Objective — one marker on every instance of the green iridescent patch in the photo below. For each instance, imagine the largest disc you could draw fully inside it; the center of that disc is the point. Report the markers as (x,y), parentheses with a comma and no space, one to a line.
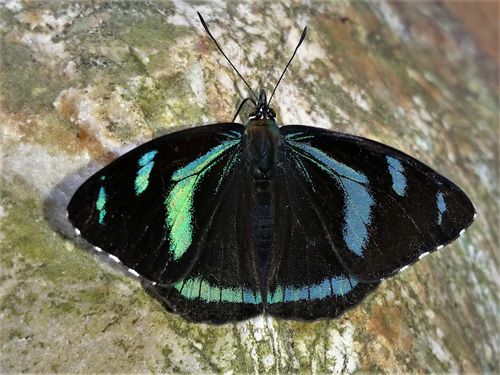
(101,203)
(179,202)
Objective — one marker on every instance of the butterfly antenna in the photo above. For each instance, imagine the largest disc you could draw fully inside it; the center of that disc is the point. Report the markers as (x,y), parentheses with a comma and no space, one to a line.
(223,54)
(241,106)
(304,32)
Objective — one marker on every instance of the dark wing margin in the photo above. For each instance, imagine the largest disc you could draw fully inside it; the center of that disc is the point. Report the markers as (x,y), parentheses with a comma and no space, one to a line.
(383,210)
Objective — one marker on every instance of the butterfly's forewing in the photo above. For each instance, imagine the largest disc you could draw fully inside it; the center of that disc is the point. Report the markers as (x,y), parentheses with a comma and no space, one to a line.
(381,209)
(152,207)
(306,280)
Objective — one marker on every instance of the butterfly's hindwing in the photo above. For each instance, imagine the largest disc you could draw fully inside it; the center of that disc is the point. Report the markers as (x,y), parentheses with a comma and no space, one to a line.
(382,208)
(150,208)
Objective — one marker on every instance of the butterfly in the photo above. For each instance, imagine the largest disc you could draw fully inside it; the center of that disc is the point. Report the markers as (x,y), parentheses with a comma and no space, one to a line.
(228,221)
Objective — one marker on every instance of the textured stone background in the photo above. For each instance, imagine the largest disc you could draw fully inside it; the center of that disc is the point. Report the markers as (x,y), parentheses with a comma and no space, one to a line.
(83,82)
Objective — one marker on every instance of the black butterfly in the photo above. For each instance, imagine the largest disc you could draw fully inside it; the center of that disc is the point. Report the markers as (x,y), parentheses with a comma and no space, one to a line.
(230,221)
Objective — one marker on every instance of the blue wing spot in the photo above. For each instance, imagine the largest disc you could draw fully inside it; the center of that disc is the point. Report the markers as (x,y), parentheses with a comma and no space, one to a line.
(205,291)
(191,288)
(251,297)
(396,170)
(215,294)
(147,158)
(357,215)
(303,293)
(229,295)
(330,163)
(237,295)
(145,164)
(441,205)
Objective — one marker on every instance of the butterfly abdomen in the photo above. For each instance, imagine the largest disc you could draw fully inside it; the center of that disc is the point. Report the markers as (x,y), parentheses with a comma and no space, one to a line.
(263,219)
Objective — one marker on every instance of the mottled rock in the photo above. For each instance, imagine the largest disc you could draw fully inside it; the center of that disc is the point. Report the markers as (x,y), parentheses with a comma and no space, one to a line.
(82,82)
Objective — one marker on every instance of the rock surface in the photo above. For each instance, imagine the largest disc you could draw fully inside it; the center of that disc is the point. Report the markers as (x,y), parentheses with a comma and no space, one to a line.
(83,82)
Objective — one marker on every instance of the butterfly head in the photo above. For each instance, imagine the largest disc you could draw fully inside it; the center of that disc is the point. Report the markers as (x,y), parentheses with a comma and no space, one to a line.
(262,111)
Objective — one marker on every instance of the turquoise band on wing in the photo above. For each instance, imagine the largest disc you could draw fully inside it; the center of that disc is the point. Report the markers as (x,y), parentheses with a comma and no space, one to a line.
(336,286)
(197,288)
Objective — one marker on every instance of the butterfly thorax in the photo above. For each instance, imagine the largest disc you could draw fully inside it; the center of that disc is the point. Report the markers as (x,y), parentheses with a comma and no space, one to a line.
(262,139)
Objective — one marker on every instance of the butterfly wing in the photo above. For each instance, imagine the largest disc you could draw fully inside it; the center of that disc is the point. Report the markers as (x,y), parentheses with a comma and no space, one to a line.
(152,207)
(380,209)
(306,280)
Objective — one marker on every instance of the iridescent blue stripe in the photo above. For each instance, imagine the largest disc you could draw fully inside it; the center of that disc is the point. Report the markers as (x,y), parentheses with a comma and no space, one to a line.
(320,291)
(299,136)
(291,294)
(277,296)
(338,286)
(357,198)
(357,216)
(248,296)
